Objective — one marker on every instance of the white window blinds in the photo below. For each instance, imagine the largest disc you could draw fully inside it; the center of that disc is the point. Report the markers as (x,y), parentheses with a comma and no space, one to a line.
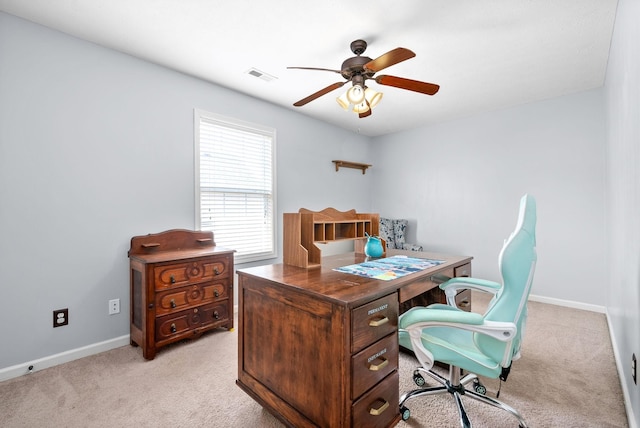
(235,185)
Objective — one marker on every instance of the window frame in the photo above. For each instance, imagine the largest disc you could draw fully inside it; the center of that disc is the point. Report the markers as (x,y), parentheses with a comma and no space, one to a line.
(232,123)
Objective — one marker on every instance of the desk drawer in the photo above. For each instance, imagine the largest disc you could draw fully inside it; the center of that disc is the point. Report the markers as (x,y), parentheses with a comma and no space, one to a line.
(373,364)
(464,270)
(421,286)
(373,321)
(379,407)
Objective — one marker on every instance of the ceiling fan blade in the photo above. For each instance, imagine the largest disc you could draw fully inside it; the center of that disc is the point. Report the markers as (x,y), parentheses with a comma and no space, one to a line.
(412,85)
(315,68)
(390,58)
(318,94)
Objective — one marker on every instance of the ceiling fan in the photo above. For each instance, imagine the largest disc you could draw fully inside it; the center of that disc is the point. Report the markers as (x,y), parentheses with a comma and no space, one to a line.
(358,70)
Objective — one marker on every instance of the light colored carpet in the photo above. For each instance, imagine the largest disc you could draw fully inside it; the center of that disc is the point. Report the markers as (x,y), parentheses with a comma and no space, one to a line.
(566,378)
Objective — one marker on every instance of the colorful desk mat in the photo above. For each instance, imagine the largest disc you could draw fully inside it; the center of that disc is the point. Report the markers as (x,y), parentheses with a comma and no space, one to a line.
(389,268)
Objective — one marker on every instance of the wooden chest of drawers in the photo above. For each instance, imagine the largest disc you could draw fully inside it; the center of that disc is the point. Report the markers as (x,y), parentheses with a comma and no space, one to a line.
(181,286)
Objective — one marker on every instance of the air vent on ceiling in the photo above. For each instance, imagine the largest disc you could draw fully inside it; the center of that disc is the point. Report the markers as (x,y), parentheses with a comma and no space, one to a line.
(261,74)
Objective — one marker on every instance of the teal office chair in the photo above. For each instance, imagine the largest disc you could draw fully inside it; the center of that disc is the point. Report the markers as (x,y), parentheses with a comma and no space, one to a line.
(482,345)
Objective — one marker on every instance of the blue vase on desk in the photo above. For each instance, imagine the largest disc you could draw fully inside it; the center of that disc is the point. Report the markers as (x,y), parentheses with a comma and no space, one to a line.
(373,247)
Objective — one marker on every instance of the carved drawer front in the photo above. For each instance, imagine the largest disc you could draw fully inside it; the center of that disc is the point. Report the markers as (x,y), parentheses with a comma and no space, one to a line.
(174,300)
(192,319)
(378,407)
(192,272)
(373,321)
(373,364)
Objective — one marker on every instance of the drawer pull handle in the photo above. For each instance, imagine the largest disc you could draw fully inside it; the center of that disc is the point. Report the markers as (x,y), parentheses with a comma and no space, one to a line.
(172,279)
(464,303)
(173,328)
(216,271)
(173,303)
(376,367)
(216,293)
(378,322)
(379,410)
(216,315)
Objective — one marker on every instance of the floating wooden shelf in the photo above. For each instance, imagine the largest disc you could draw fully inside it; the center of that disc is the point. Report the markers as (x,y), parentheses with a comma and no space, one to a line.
(347,164)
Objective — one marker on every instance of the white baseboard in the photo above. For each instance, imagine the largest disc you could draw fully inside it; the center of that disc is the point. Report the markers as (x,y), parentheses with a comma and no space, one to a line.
(61,358)
(568,304)
(620,366)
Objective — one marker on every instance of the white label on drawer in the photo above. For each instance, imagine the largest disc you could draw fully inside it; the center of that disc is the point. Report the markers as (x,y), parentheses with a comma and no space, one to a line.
(378,309)
(376,355)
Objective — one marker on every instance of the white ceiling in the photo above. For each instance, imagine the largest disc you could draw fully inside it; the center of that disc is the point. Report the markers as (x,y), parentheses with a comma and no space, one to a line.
(484,54)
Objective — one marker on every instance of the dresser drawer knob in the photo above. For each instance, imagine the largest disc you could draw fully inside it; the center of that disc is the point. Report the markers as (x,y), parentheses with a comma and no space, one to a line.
(150,305)
(216,293)
(172,279)
(173,328)
(173,303)
(216,315)
(216,271)
(379,410)
(378,322)
(376,367)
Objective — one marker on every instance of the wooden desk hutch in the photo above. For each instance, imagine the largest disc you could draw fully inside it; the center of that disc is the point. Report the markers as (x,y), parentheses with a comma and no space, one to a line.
(317,347)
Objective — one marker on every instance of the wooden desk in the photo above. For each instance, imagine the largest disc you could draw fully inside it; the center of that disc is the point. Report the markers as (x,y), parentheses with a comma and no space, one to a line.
(320,348)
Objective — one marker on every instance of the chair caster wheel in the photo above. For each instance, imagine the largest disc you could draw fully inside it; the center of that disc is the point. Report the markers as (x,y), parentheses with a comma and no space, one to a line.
(405,413)
(418,379)
(479,388)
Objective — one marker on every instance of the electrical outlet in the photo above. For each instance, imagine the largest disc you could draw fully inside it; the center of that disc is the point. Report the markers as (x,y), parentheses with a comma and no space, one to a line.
(114,306)
(60,317)
(634,369)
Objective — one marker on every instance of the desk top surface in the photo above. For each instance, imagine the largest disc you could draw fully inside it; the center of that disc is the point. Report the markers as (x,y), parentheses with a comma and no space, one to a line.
(344,288)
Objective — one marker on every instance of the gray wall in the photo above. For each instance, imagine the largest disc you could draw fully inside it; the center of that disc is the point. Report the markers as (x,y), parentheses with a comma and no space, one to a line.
(460,184)
(623,194)
(97,147)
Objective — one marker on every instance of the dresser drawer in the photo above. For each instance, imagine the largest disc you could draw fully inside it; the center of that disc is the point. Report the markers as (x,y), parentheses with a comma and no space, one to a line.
(373,364)
(179,323)
(192,272)
(178,299)
(373,321)
(378,407)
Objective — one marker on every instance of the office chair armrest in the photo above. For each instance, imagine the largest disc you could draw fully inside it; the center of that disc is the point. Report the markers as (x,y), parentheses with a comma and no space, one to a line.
(420,315)
(418,318)
(453,286)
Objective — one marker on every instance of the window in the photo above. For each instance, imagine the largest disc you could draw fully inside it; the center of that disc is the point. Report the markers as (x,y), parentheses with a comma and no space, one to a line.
(235,197)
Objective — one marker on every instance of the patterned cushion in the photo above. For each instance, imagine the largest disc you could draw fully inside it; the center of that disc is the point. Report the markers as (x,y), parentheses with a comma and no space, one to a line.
(399,228)
(394,232)
(386,232)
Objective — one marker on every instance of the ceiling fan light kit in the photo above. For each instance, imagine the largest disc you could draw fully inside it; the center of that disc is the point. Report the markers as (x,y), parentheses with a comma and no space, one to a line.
(360,98)
(371,99)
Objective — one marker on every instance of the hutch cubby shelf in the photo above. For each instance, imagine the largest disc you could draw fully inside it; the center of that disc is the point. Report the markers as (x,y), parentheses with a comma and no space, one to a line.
(348,164)
(302,230)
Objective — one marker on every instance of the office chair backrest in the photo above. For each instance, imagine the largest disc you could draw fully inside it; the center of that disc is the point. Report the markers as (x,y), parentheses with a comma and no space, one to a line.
(517,262)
